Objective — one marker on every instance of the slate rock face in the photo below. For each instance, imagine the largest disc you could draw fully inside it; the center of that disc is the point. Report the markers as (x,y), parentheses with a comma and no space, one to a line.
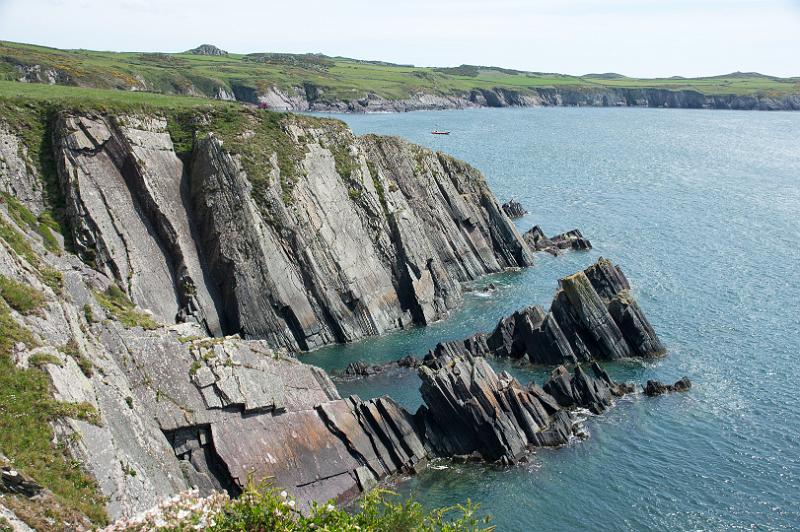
(594,392)
(17,174)
(376,233)
(537,241)
(514,209)
(126,197)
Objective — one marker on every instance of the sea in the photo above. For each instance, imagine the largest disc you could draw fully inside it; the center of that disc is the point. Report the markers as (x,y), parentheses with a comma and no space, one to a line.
(701,209)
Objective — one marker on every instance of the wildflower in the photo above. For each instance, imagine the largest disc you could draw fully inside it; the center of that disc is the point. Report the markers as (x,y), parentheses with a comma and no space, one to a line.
(284,494)
(291,504)
(330,508)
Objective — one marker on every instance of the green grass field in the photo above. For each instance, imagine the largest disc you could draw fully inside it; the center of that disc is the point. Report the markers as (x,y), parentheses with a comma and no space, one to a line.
(338,78)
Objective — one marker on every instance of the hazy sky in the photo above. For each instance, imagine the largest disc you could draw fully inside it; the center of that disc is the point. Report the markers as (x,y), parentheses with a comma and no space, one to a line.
(633,37)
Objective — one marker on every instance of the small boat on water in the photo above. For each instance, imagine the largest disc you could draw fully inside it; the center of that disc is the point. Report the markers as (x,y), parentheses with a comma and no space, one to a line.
(440,132)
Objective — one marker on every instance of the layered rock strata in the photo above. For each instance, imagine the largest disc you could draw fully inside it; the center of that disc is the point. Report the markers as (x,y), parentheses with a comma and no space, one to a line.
(471,410)
(593,316)
(365,236)
(316,98)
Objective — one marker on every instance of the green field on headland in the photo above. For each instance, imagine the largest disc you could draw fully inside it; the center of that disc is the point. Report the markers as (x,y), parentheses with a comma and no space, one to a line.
(338,78)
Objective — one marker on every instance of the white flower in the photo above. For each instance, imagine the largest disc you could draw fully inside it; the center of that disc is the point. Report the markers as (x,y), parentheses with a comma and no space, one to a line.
(291,504)
(330,508)
(284,494)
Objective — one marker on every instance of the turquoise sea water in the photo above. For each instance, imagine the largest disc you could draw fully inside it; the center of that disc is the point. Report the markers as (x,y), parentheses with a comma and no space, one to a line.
(702,211)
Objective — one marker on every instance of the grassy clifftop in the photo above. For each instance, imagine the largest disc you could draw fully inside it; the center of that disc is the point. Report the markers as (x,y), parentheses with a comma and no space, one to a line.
(339,78)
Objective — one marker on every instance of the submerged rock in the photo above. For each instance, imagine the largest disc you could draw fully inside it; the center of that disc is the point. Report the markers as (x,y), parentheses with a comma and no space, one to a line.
(360,368)
(654,387)
(537,241)
(514,209)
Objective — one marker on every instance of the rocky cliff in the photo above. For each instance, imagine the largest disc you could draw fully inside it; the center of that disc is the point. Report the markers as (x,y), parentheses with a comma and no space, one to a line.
(198,246)
(149,348)
(303,99)
(283,228)
(150,409)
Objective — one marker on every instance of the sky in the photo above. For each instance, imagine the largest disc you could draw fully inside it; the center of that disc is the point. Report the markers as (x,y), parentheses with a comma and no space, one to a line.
(643,38)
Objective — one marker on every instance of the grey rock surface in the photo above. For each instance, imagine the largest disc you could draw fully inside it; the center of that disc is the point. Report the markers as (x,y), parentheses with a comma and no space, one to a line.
(471,410)
(514,209)
(126,202)
(351,256)
(207,49)
(18,176)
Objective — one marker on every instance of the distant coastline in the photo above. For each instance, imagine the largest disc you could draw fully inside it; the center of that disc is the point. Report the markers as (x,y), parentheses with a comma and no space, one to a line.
(314,82)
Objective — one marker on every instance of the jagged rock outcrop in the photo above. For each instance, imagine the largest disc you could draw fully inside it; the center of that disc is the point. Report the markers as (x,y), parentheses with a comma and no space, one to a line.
(471,410)
(593,317)
(351,256)
(537,241)
(594,392)
(654,387)
(514,209)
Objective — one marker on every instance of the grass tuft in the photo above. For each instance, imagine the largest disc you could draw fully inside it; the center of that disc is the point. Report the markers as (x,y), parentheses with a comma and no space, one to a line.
(26,410)
(121,308)
(21,297)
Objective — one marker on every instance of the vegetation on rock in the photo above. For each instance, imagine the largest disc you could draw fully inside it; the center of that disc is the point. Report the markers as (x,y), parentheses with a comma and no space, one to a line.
(20,296)
(121,308)
(26,411)
(264,508)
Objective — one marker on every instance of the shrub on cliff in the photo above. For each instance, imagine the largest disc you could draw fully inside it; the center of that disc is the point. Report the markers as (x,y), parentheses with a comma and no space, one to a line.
(264,509)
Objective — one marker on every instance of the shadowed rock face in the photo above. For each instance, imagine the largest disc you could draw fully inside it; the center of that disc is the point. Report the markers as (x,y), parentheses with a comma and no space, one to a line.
(375,235)
(471,410)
